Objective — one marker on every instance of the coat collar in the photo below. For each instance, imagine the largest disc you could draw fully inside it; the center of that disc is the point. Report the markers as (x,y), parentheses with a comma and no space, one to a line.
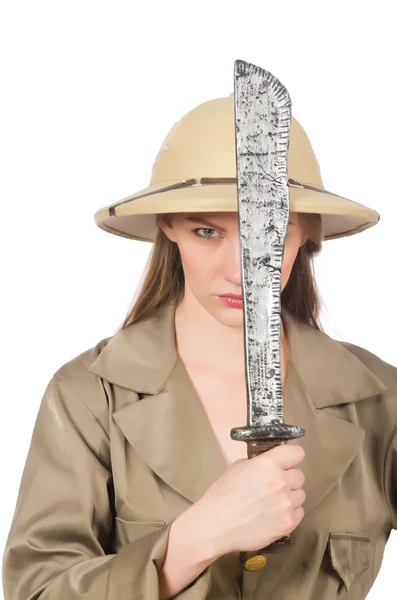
(171,432)
(141,357)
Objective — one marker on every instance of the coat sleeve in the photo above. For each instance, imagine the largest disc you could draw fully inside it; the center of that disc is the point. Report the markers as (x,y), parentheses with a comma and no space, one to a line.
(56,546)
(390,480)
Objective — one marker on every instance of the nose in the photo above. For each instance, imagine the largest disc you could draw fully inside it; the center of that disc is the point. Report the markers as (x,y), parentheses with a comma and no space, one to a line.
(232,262)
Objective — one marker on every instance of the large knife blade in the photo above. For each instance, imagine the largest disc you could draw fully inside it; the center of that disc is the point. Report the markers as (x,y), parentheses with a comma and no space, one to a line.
(262,111)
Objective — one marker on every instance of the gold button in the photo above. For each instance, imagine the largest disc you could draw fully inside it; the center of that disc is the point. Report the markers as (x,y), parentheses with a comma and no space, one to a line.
(253,563)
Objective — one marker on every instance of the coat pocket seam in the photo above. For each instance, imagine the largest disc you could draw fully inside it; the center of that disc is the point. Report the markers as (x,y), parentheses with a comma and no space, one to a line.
(130,531)
(138,523)
(350,554)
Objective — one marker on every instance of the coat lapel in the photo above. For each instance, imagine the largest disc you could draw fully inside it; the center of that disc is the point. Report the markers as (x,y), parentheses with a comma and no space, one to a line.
(170,430)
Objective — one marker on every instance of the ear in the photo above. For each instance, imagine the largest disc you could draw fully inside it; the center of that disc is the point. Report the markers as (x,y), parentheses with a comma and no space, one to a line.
(304,239)
(166,226)
(304,235)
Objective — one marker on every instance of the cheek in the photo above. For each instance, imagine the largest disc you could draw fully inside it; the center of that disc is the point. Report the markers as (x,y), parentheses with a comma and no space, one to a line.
(288,260)
(290,252)
(193,261)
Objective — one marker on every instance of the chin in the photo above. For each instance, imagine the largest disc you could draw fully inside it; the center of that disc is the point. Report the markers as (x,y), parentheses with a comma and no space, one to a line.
(230,317)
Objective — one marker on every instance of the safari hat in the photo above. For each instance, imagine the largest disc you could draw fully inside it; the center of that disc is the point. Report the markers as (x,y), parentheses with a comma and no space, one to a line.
(195,171)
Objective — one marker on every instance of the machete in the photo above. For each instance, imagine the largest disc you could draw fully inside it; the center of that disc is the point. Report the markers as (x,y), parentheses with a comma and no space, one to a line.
(262,112)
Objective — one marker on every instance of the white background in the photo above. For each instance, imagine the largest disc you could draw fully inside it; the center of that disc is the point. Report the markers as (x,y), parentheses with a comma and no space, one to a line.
(89,91)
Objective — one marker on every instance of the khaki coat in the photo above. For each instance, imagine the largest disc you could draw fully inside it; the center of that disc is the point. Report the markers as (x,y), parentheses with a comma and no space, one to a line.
(122,446)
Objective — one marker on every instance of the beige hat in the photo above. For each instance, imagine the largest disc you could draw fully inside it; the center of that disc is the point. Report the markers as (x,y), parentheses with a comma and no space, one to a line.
(195,171)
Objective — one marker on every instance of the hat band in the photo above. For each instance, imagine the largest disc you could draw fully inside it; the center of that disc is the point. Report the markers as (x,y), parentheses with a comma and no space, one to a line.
(208,181)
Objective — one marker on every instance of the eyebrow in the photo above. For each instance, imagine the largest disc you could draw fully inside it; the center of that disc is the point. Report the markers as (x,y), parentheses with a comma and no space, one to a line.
(204,221)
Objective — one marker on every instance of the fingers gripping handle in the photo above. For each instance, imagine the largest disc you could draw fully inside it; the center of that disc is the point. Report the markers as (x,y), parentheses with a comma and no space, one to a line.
(257,559)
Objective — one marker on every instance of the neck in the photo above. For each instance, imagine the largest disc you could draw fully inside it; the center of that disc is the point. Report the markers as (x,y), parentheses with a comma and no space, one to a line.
(205,342)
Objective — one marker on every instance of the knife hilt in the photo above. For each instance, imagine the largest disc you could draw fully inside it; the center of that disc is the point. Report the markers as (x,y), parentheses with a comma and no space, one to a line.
(262,439)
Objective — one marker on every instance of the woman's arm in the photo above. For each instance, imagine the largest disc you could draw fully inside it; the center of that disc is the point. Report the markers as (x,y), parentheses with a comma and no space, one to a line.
(390,480)
(189,552)
(62,522)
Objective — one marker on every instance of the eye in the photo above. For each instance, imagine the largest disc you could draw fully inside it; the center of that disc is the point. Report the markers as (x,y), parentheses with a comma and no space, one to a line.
(203,229)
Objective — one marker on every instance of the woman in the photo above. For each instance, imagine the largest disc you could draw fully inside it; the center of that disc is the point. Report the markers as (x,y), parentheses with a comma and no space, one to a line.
(132,486)
(211,270)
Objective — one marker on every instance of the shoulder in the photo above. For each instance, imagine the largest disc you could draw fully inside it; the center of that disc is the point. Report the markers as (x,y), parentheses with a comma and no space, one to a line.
(385,371)
(83,385)
(386,400)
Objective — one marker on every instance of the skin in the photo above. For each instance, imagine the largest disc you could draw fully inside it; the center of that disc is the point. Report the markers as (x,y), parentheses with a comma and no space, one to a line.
(209,333)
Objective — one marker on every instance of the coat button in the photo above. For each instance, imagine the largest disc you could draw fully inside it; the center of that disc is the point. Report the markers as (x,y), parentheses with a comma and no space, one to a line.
(253,563)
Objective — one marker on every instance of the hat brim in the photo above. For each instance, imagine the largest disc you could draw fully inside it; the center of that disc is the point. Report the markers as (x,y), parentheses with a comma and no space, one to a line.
(136,218)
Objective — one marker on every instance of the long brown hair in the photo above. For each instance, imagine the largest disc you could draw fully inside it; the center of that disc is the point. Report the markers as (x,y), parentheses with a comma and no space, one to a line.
(163,279)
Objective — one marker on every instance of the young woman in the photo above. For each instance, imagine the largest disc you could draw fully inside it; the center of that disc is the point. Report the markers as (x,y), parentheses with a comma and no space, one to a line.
(133,487)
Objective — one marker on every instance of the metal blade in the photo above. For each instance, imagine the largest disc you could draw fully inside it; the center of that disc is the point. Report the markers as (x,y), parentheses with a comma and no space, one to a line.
(262,118)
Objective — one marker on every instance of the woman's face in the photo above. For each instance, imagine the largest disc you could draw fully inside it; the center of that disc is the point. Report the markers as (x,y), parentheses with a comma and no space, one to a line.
(210,251)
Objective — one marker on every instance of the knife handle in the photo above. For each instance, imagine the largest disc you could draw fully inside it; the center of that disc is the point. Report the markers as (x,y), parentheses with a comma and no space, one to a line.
(261,439)
(256,559)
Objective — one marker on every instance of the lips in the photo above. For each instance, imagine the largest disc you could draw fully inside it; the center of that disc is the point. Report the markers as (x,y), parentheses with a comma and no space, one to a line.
(234,296)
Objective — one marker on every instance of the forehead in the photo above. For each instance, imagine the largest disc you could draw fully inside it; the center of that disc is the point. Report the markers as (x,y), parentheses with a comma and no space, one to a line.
(211,216)
(221,217)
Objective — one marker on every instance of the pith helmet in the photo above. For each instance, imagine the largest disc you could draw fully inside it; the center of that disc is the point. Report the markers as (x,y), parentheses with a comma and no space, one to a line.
(195,171)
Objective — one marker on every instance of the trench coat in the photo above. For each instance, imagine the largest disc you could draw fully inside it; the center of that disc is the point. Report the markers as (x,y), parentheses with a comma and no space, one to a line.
(121,446)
